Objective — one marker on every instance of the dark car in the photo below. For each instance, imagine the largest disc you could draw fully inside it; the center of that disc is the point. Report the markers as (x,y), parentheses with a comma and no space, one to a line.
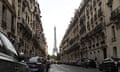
(110,64)
(85,62)
(37,64)
(79,63)
(10,60)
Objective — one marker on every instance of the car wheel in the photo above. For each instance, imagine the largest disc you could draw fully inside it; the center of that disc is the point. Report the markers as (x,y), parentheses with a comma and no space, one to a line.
(100,69)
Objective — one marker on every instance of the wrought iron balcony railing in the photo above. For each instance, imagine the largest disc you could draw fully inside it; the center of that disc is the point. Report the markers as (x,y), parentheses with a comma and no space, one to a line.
(73,46)
(115,15)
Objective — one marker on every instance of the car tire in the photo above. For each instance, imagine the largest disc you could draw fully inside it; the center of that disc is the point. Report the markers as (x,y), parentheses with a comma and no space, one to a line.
(100,69)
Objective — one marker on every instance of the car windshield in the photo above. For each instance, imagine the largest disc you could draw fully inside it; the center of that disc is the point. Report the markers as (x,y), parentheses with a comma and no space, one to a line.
(7,44)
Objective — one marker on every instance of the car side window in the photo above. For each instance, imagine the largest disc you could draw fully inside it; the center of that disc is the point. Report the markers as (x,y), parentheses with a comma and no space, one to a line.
(6,46)
(2,49)
(1,44)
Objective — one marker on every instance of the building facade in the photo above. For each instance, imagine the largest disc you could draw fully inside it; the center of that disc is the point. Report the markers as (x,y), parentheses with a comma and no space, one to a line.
(21,21)
(113,28)
(97,23)
(69,48)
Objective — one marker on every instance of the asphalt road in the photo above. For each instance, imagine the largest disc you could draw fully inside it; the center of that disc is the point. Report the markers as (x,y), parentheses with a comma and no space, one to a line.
(69,68)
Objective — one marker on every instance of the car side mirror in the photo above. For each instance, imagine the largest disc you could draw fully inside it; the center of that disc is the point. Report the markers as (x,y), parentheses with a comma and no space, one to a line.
(21,57)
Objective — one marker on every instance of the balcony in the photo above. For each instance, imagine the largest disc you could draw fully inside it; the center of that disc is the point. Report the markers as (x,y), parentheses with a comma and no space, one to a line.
(27,27)
(98,28)
(72,46)
(115,15)
(83,49)
(36,35)
(38,45)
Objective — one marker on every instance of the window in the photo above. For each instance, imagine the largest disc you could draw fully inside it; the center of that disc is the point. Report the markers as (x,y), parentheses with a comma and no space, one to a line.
(100,3)
(19,10)
(115,52)
(12,24)
(91,20)
(13,4)
(94,3)
(88,27)
(110,3)
(90,52)
(100,13)
(4,11)
(19,0)
(95,17)
(113,33)
(98,51)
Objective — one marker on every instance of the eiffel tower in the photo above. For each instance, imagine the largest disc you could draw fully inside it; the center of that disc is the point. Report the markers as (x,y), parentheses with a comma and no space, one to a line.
(55,50)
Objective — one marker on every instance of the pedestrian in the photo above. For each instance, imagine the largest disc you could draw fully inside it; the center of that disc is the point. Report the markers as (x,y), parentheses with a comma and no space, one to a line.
(96,62)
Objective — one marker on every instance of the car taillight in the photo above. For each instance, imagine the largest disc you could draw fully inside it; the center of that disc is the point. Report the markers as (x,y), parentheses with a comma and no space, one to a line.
(39,63)
(115,63)
(34,65)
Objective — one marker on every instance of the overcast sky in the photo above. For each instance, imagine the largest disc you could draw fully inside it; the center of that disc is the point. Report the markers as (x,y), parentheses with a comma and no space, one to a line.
(56,13)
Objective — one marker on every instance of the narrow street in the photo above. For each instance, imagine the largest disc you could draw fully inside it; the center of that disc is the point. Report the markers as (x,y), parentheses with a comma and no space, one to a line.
(68,68)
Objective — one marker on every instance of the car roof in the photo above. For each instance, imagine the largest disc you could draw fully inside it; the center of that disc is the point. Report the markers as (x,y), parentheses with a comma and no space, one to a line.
(35,59)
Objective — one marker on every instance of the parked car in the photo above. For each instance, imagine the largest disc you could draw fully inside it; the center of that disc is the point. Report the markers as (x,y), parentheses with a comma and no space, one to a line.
(85,62)
(37,64)
(80,63)
(110,64)
(10,60)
